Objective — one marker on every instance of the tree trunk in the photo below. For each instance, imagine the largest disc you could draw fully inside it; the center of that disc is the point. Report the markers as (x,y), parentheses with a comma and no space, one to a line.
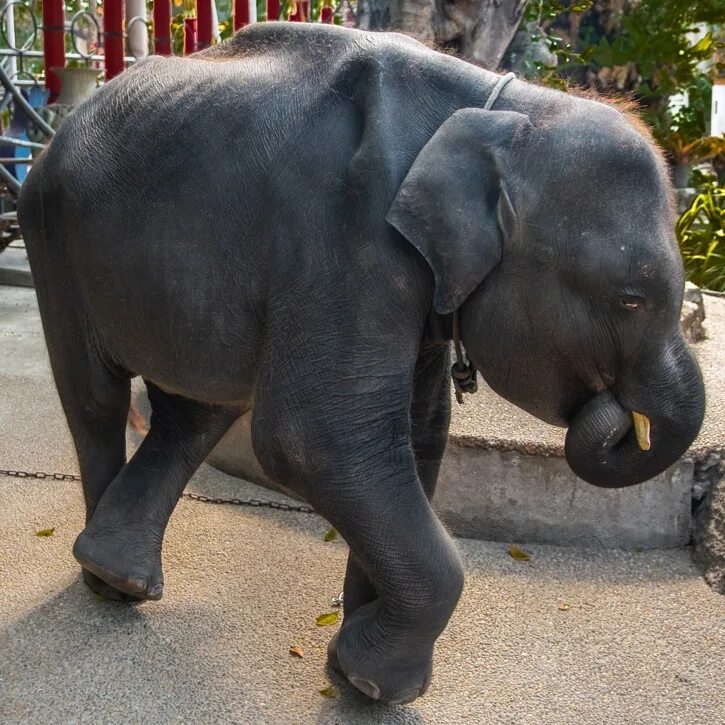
(478,30)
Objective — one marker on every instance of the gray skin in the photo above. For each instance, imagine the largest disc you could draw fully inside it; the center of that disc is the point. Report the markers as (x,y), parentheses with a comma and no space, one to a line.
(281,220)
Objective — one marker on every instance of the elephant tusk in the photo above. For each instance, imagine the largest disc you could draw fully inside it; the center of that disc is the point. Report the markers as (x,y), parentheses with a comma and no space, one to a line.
(641,430)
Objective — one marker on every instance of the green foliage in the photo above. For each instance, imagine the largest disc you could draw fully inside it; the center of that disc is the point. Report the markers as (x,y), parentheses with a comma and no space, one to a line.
(701,179)
(645,47)
(655,39)
(540,16)
(701,235)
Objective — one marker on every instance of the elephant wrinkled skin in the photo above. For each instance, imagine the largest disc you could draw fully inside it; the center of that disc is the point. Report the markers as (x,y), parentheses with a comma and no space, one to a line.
(279,219)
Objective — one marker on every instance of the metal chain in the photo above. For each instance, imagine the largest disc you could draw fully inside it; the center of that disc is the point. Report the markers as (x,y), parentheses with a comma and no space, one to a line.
(40,474)
(253,502)
(202,498)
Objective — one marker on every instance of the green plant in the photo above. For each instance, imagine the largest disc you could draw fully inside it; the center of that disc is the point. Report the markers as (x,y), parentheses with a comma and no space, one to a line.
(701,179)
(701,236)
(683,133)
(685,150)
(540,16)
(656,39)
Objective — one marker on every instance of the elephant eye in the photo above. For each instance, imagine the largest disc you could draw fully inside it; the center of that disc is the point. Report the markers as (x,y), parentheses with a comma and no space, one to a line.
(631,302)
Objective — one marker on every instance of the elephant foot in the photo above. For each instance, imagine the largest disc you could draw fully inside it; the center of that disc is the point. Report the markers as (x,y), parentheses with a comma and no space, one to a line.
(395,675)
(333,660)
(106,590)
(128,566)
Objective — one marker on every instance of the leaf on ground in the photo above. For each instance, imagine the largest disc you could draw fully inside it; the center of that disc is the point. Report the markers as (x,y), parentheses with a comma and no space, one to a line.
(326,619)
(45,532)
(100,597)
(328,691)
(564,607)
(519,554)
(331,535)
(296,651)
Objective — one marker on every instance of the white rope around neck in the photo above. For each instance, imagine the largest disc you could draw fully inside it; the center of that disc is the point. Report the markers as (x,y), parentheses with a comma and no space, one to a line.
(502,82)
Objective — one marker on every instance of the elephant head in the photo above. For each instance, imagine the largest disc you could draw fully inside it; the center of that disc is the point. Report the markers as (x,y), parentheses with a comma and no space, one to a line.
(555,243)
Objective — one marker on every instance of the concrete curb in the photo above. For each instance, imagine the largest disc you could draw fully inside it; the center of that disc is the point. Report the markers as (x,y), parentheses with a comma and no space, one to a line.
(14,269)
(506,495)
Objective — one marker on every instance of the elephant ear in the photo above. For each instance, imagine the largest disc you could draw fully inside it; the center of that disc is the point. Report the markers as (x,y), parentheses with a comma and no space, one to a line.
(448,204)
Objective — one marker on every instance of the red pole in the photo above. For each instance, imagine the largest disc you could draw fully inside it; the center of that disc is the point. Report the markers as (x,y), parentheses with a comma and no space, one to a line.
(204,21)
(326,14)
(242,16)
(113,37)
(301,13)
(162,27)
(273,9)
(53,43)
(189,35)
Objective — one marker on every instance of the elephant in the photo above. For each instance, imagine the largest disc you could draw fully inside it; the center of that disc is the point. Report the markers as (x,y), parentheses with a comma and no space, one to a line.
(301,219)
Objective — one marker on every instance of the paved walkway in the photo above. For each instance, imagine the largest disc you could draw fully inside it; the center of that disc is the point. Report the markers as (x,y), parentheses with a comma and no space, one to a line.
(572,636)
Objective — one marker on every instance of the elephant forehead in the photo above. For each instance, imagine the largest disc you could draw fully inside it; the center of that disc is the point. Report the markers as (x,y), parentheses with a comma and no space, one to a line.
(596,155)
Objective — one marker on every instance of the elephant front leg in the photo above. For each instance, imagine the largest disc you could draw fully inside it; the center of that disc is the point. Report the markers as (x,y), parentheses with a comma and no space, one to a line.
(385,647)
(430,415)
(363,479)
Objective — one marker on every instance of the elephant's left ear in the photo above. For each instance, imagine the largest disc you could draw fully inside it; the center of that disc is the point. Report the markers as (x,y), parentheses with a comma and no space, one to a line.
(448,204)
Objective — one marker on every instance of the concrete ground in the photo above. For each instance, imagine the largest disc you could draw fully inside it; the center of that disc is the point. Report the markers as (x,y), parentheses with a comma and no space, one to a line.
(574,635)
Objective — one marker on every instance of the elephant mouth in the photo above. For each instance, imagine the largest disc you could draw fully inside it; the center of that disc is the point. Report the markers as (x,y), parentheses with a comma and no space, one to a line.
(635,430)
(630,422)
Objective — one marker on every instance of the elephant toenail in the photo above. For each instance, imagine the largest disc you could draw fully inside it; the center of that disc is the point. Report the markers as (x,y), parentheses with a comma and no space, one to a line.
(369,688)
(405,697)
(155,591)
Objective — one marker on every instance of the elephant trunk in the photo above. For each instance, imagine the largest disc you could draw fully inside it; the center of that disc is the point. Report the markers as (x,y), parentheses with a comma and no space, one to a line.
(635,431)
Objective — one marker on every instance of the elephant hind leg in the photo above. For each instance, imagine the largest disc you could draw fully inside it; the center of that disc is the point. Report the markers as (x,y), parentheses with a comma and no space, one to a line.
(95,398)
(122,542)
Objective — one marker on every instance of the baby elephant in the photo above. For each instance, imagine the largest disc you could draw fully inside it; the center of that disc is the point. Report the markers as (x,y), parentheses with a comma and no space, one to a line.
(282,220)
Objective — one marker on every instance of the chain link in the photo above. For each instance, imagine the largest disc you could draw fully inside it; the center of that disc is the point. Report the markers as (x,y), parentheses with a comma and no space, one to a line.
(253,502)
(40,474)
(200,497)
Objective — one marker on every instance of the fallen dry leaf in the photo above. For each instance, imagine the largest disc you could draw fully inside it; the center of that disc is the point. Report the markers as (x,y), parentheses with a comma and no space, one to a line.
(328,692)
(326,619)
(45,532)
(296,651)
(331,535)
(519,554)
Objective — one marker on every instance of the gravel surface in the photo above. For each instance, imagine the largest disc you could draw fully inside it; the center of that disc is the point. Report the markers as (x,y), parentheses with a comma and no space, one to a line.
(572,636)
